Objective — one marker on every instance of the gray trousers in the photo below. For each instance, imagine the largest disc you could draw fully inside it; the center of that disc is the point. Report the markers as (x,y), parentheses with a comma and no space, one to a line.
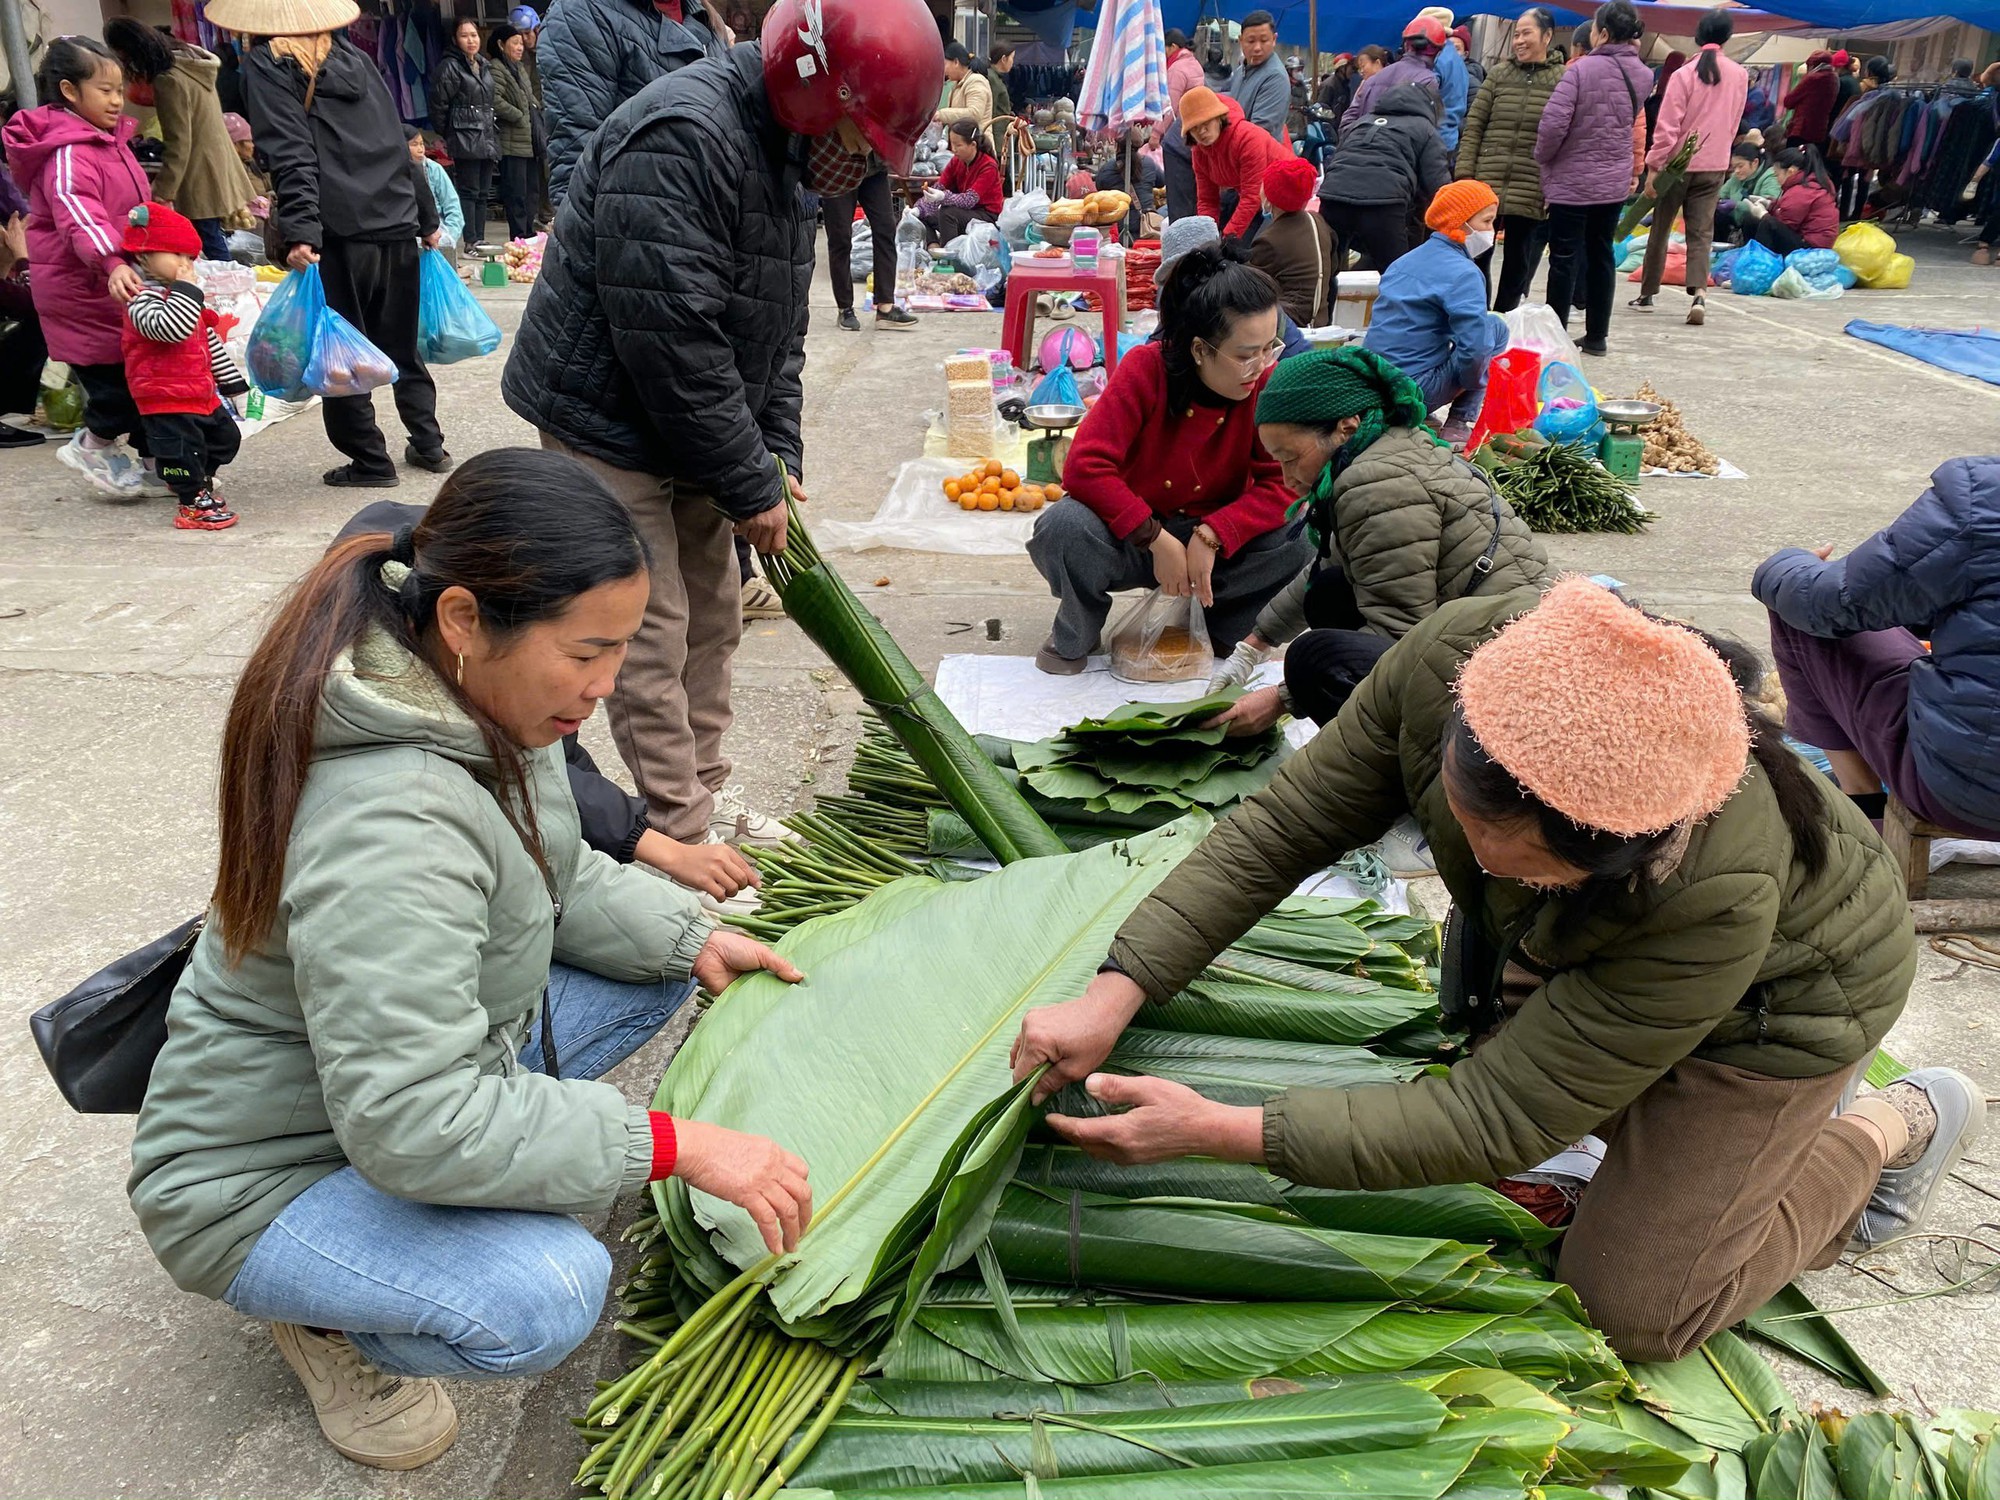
(1085,565)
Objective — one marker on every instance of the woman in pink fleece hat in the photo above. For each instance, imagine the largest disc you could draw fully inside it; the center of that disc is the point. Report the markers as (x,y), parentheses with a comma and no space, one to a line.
(1668,936)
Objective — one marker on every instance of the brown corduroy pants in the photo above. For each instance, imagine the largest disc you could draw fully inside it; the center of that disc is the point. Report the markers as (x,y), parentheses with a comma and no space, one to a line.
(671,708)
(1719,1187)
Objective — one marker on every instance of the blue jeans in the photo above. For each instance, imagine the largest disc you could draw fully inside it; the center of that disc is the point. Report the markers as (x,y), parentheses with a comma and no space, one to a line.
(424,1289)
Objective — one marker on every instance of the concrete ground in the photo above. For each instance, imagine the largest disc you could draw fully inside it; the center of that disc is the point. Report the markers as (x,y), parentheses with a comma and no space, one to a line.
(120,639)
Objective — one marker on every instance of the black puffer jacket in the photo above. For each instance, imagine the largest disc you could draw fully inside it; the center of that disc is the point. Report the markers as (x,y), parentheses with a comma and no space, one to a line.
(343,167)
(462,108)
(1392,155)
(666,333)
(596,54)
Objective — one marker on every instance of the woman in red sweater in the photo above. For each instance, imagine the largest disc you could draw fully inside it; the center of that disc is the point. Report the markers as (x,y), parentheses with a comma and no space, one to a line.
(967,190)
(1804,217)
(1231,155)
(1168,484)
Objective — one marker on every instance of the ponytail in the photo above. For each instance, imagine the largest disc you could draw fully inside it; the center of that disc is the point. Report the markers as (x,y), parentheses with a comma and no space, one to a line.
(1711,33)
(1806,159)
(495,530)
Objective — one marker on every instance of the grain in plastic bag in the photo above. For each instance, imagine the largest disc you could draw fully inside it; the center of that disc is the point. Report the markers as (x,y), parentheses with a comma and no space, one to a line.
(1161,638)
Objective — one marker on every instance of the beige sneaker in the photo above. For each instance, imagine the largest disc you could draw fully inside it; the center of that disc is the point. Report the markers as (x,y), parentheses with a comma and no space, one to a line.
(734,821)
(760,600)
(383,1421)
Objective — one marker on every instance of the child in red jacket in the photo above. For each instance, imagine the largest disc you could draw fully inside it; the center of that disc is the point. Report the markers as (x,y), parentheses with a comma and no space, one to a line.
(176,367)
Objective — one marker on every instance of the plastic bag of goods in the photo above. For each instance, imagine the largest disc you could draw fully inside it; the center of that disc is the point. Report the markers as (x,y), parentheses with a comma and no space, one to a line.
(1512,380)
(982,246)
(281,345)
(1755,269)
(1057,388)
(1792,285)
(1161,639)
(1821,268)
(1865,250)
(451,325)
(1675,273)
(911,254)
(344,362)
(1569,406)
(1723,267)
(1534,325)
(1020,211)
(1894,277)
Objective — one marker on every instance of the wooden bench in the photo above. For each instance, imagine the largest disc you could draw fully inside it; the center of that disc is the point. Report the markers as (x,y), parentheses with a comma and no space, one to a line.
(1909,839)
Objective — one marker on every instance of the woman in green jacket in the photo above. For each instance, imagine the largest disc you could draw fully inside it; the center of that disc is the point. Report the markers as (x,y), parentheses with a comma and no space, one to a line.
(514,106)
(1705,940)
(1497,146)
(374,1113)
(1401,525)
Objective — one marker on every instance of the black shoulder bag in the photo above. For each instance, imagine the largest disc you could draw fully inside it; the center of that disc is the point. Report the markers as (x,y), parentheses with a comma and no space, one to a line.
(99,1041)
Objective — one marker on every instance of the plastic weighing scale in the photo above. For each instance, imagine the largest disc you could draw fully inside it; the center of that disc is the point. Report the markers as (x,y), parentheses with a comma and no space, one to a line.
(1623,449)
(1047,452)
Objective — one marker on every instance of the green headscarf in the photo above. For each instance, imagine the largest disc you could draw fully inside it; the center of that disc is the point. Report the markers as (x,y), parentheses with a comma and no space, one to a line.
(1320,388)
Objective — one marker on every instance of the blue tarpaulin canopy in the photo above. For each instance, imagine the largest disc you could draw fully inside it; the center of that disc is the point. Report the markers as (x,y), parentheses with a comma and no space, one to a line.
(1347,24)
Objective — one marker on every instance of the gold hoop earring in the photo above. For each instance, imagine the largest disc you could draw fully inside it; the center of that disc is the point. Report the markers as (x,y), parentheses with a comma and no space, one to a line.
(461,669)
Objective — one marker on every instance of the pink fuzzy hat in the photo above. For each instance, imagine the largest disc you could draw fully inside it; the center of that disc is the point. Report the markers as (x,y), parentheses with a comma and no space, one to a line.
(1615,720)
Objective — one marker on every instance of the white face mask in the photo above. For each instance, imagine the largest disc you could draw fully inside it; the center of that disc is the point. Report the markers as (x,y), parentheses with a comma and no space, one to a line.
(1478,242)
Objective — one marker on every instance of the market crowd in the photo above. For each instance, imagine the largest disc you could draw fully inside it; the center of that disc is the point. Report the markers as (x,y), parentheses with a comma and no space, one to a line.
(435,925)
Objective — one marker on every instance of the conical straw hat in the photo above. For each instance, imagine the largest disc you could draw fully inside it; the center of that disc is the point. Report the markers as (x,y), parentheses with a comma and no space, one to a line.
(282,17)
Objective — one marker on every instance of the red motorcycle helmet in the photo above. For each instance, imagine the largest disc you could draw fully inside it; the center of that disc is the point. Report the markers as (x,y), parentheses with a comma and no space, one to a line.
(1426,29)
(879,63)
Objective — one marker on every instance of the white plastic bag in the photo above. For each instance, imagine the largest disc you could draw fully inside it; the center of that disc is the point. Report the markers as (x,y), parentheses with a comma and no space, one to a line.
(1534,325)
(1791,283)
(1022,210)
(982,246)
(1161,638)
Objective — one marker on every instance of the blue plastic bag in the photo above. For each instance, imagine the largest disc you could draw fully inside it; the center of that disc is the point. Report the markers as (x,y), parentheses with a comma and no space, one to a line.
(1755,270)
(281,344)
(451,325)
(1820,268)
(344,363)
(1057,388)
(1723,267)
(1569,406)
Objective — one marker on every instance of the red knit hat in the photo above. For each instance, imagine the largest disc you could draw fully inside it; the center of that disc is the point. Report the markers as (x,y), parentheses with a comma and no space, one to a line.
(1289,183)
(154,226)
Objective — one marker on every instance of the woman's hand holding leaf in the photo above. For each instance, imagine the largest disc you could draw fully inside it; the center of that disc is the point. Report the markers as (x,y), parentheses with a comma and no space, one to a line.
(1252,714)
(727,956)
(1075,1037)
(759,1176)
(1162,1121)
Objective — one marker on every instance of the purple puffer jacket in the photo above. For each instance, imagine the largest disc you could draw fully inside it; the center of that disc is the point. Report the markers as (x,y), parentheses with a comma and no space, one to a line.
(1584,145)
(81,183)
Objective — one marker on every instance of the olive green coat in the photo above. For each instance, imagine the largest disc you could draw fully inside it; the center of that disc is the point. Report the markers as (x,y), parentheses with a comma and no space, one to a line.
(514,107)
(201,175)
(380,1022)
(1412,524)
(1497,142)
(1739,956)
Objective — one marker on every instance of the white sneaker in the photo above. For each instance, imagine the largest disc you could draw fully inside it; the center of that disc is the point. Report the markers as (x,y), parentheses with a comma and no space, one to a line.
(114,471)
(151,486)
(742,904)
(732,821)
(1407,852)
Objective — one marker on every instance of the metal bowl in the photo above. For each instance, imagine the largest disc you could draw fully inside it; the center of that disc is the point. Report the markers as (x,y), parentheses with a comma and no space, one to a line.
(1634,414)
(1052,418)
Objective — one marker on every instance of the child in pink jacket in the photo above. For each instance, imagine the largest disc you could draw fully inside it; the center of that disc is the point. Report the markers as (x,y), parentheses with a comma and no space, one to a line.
(71,157)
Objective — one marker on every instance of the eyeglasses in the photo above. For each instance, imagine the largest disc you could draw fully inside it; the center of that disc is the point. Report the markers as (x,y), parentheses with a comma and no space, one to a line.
(1250,365)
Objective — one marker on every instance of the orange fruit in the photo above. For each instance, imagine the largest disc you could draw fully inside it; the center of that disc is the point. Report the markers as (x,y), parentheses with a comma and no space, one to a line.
(968,501)
(988,500)
(1009,480)
(1006,499)
(994,469)
(1052,492)
(951,489)
(989,486)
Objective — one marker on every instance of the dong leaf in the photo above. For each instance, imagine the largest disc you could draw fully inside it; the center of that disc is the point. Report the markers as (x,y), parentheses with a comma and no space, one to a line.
(1881,1457)
(1791,1321)
(877,1123)
(1359,1011)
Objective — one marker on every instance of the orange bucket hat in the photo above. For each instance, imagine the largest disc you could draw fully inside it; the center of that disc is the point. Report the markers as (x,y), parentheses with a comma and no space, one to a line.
(1455,204)
(1616,720)
(1200,105)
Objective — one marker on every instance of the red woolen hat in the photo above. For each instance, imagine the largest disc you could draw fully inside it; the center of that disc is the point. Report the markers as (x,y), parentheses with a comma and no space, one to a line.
(154,226)
(1289,183)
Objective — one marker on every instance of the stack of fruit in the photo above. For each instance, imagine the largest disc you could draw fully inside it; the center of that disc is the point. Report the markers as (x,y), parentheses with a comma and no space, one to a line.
(993,486)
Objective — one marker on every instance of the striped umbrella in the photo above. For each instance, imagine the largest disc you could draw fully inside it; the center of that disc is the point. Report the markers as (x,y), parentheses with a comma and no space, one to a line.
(1126,80)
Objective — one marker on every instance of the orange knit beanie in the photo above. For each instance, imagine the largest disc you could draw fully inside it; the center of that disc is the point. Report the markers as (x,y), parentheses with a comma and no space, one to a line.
(1617,721)
(1457,202)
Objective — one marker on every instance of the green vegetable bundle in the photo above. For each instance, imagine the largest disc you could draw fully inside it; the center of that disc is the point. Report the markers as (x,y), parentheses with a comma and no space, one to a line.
(1154,759)
(1560,488)
(1669,177)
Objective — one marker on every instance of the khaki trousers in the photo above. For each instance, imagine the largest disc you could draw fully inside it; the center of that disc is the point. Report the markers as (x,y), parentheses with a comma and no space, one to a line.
(1719,1187)
(671,707)
(1694,196)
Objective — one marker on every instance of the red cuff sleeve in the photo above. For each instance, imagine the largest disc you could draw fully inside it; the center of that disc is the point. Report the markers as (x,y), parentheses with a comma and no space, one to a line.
(665,1147)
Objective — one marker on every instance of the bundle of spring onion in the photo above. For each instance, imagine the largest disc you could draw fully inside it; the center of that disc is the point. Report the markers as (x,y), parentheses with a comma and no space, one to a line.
(1560,487)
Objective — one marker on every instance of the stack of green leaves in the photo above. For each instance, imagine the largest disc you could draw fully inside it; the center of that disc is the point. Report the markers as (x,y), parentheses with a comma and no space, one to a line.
(1153,759)
(1561,488)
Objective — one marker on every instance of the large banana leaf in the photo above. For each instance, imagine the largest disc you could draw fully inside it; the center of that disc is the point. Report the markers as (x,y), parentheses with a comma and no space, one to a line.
(1096,1344)
(993,1398)
(1237,1070)
(1451,1211)
(1516,1445)
(1356,1011)
(1185,1248)
(1883,1457)
(873,1453)
(1793,1462)
(1792,1322)
(876,1121)
(1722,1395)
